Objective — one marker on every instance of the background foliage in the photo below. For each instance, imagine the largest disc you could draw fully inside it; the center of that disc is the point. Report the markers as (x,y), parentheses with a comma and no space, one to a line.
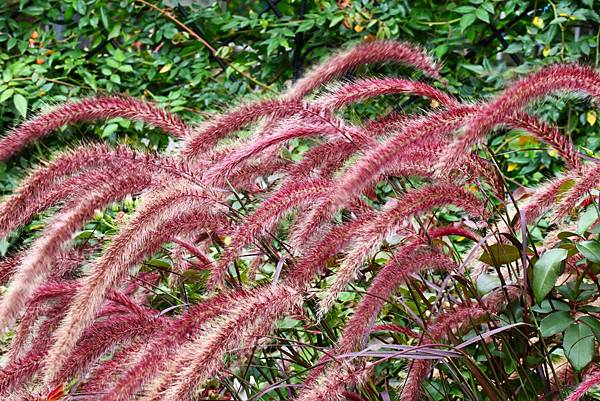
(55,50)
(194,57)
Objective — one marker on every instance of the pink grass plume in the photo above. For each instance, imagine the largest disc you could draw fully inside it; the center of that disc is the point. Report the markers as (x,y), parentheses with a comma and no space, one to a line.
(88,110)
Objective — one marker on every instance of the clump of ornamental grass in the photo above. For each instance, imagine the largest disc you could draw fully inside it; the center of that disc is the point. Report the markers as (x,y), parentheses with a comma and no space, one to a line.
(82,317)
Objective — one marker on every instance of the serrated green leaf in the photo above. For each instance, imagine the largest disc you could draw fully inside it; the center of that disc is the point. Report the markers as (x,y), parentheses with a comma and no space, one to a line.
(545,272)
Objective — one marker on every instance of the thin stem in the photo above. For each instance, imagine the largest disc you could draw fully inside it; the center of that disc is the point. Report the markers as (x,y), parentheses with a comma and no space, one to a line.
(212,50)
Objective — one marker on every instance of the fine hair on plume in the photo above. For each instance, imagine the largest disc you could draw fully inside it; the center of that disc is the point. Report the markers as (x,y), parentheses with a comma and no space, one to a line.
(83,316)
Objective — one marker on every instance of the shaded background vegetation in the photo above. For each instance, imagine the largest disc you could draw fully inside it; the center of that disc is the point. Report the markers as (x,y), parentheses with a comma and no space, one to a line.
(203,55)
(195,57)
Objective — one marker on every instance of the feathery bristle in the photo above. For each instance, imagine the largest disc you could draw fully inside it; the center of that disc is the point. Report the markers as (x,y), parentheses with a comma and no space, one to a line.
(85,323)
(88,110)
(364,53)
(556,78)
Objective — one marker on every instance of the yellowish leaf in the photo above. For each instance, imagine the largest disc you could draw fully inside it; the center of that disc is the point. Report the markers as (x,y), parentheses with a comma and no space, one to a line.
(590,117)
(165,68)
(563,189)
(546,51)
(512,167)
(553,152)
(525,140)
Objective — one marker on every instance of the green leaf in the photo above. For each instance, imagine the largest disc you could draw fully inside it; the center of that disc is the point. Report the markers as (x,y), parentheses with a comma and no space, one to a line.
(346,296)
(288,323)
(440,50)
(514,48)
(555,323)
(563,235)
(20,104)
(545,272)
(489,7)
(192,275)
(336,20)
(34,11)
(487,282)
(125,68)
(500,254)
(548,306)
(306,25)
(466,21)
(578,345)
(465,9)
(586,220)
(589,249)
(593,324)
(104,18)
(6,94)
(157,263)
(109,129)
(567,291)
(477,69)
(85,234)
(115,31)
(4,244)
(80,6)
(482,14)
